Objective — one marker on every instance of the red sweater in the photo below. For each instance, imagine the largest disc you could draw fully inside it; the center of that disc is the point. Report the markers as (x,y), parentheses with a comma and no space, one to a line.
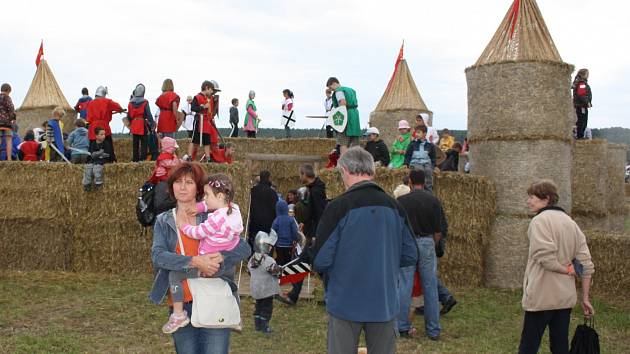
(167,122)
(99,114)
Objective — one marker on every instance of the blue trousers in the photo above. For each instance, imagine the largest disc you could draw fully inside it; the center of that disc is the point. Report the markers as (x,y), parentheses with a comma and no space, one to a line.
(427,266)
(192,340)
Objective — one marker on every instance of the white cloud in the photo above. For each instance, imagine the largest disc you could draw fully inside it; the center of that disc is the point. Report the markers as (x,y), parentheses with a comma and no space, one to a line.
(271,45)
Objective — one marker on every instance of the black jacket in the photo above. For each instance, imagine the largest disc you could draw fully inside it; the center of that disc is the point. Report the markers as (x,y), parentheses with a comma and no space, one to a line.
(317,203)
(262,210)
(379,151)
(451,163)
(101,153)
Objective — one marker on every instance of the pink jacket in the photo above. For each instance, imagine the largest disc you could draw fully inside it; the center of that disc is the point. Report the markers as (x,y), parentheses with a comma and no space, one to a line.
(220,232)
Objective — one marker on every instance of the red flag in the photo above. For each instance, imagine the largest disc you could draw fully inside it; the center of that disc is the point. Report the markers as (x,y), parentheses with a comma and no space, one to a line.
(40,54)
(294,272)
(398,60)
(514,19)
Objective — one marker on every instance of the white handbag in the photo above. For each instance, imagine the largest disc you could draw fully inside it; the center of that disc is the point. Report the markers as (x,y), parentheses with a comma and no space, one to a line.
(214,305)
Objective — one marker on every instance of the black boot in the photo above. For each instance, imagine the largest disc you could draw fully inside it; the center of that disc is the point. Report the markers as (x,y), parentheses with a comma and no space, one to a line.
(264,325)
(257,321)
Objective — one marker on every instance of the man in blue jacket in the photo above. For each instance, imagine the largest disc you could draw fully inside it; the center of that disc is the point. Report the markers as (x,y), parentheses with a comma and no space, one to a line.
(362,241)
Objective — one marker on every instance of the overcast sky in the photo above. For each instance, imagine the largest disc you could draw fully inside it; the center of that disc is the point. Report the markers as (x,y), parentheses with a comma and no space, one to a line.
(269,45)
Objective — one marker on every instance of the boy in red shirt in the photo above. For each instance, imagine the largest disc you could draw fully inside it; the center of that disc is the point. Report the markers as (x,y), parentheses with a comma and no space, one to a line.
(165,161)
(225,154)
(29,150)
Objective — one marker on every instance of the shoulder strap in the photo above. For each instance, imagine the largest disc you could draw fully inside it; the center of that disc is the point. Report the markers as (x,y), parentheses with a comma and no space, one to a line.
(179,237)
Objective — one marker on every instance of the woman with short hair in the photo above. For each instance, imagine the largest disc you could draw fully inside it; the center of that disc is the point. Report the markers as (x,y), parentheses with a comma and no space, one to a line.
(557,254)
(186,184)
(168,102)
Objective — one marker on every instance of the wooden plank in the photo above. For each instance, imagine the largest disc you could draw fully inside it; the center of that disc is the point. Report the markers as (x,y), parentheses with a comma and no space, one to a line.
(283,157)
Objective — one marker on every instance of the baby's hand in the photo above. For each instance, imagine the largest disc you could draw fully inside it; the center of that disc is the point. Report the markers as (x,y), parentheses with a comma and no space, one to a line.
(191,212)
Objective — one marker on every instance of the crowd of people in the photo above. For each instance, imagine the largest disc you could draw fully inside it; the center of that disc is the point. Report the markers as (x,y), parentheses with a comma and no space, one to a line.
(402,237)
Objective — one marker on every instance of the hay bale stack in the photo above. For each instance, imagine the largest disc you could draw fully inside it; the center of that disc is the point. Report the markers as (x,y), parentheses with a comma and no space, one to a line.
(617,210)
(298,146)
(469,205)
(589,184)
(612,265)
(386,178)
(519,128)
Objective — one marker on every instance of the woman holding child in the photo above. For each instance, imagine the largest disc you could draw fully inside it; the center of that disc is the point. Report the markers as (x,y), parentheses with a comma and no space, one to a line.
(186,185)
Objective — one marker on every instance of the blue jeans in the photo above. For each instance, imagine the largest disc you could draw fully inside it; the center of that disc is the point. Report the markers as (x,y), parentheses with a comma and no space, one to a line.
(443,293)
(427,266)
(192,340)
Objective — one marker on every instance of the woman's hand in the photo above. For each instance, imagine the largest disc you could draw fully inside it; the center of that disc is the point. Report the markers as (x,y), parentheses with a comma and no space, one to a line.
(587,308)
(208,264)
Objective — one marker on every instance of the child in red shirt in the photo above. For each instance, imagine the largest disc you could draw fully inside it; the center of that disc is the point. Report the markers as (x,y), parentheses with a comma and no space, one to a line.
(165,161)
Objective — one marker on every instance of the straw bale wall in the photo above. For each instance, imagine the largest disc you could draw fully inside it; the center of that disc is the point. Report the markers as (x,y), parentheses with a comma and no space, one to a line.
(616,200)
(514,165)
(609,251)
(589,184)
(506,252)
(298,146)
(519,101)
(71,230)
(387,122)
(29,118)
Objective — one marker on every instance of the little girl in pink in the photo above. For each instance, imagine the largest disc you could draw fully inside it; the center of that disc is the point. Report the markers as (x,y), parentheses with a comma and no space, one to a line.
(220,232)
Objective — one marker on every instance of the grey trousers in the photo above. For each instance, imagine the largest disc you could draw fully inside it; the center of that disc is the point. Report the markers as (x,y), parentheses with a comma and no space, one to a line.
(93,170)
(175,279)
(343,336)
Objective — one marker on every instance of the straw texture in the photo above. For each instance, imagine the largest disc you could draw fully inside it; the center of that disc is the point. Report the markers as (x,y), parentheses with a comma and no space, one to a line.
(520,101)
(514,165)
(506,252)
(616,186)
(401,100)
(609,251)
(42,97)
(589,179)
(522,35)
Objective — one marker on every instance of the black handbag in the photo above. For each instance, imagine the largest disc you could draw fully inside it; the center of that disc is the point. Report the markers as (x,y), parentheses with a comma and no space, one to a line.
(585,340)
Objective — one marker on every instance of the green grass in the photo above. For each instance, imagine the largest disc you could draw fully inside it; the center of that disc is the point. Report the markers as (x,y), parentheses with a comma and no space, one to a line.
(52,312)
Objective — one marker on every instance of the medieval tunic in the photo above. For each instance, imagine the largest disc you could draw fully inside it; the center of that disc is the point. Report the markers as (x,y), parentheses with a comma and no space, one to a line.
(353,128)
(167,122)
(251,117)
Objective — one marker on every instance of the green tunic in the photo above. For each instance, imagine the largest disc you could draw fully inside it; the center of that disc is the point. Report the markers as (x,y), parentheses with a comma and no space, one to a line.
(353,128)
(401,143)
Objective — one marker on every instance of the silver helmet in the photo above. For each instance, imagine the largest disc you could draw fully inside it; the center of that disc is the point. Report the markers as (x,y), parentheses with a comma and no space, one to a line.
(215,86)
(252,94)
(265,241)
(302,193)
(101,91)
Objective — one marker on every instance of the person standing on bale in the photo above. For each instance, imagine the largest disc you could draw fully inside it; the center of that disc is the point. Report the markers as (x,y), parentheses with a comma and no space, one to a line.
(99,114)
(54,136)
(346,96)
(234,118)
(7,118)
(362,242)
(140,123)
(288,114)
(558,253)
(582,97)
(204,132)
(79,143)
(82,103)
(251,116)
(168,102)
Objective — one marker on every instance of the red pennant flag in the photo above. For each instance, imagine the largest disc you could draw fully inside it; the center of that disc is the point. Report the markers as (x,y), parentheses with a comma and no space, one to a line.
(40,54)
(514,19)
(398,60)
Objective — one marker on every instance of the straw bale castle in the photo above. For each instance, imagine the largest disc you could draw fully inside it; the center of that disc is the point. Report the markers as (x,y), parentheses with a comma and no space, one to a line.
(42,97)
(401,100)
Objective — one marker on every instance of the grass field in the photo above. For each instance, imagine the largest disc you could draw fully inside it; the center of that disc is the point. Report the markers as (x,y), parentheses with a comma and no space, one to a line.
(46,312)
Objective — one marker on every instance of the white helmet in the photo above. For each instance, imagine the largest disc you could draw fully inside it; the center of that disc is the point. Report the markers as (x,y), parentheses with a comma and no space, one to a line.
(265,241)
(215,85)
(101,91)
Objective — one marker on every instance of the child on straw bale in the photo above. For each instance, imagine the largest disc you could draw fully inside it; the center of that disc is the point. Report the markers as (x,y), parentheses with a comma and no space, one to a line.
(446,140)
(399,147)
(420,155)
(220,232)
(54,135)
(224,154)
(79,143)
(29,150)
(165,161)
(101,152)
(263,283)
(451,162)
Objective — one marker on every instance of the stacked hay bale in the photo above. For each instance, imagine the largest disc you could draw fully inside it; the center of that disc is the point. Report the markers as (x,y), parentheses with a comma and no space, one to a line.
(401,100)
(612,266)
(42,97)
(589,184)
(615,198)
(519,128)
(300,146)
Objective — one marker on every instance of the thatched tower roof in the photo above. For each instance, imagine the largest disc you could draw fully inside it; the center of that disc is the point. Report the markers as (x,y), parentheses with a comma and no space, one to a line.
(522,36)
(402,93)
(44,90)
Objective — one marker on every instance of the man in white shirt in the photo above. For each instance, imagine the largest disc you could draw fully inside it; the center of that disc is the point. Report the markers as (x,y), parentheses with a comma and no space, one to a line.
(190,116)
